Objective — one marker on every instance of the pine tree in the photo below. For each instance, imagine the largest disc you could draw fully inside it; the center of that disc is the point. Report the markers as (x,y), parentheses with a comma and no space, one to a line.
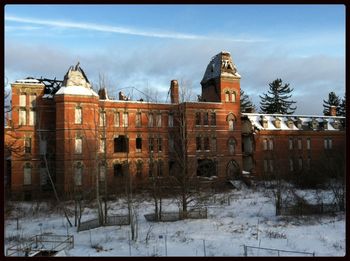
(245,101)
(277,99)
(342,110)
(333,100)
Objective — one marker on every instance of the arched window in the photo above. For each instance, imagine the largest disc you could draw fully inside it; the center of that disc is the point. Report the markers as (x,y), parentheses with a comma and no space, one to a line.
(227,96)
(231,146)
(231,119)
(233,96)
(27,174)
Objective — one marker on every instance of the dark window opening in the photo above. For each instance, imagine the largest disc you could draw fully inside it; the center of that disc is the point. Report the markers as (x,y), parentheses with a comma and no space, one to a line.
(121,144)
(139,169)
(28,145)
(206,143)
(159,144)
(198,143)
(213,119)
(150,169)
(198,118)
(206,119)
(160,169)
(150,144)
(118,170)
(206,168)
(138,144)
(171,166)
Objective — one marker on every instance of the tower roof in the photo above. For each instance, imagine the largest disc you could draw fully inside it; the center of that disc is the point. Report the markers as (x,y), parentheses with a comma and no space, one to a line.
(220,65)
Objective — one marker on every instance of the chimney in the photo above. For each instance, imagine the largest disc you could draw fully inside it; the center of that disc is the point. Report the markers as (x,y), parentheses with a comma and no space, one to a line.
(174,91)
(333,111)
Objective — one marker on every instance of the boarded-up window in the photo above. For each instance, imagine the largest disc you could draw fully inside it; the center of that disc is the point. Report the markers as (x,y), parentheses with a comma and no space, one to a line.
(78,115)
(78,145)
(22,100)
(125,119)
(32,117)
(171,120)
(27,175)
(22,117)
(159,120)
(32,100)
(117,119)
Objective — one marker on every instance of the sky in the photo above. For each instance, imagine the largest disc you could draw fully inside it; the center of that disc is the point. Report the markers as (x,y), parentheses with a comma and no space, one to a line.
(146,46)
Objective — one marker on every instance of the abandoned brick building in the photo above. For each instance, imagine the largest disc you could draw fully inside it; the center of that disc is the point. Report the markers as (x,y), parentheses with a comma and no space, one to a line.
(77,136)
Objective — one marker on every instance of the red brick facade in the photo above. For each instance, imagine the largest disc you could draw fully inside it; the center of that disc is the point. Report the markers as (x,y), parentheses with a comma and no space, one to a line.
(76,141)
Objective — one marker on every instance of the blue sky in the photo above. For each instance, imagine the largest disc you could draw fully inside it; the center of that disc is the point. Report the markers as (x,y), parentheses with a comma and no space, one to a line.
(149,45)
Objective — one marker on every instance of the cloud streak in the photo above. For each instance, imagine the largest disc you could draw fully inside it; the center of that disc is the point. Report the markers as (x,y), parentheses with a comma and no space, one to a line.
(118,29)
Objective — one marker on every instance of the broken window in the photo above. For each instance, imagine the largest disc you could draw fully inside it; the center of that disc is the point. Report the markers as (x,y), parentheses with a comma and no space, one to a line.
(22,100)
(125,119)
(78,115)
(138,144)
(78,145)
(213,119)
(198,143)
(138,119)
(198,118)
(32,117)
(171,120)
(206,118)
(159,120)
(28,145)
(121,144)
(27,174)
(78,171)
(22,117)
(117,119)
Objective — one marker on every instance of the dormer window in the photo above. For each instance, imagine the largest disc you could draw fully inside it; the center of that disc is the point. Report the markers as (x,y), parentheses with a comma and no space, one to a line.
(314,124)
(325,124)
(336,124)
(264,123)
(290,123)
(277,123)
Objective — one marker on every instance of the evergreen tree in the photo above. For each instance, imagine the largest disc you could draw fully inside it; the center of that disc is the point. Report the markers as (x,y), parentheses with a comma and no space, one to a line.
(245,101)
(277,99)
(342,110)
(333,100)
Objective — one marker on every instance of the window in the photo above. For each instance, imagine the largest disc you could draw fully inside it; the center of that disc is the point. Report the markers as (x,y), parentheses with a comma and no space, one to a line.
(42,145)
(309,162)
(103,145)
(299,144)
(102,118)
(151,144)
(102,172)
(118,170)
(231,119)
(213,119)
(206,119)
(233,97)
(28,145)
(22,100)
(265,144)
(27,174)
(171,143)
(198,118)
(328,143)
(159,141)
(308,143)
(171,120)
(32,100)
(290,143)
(78,145)
(206,143)
(117,119)
(213,143)
(43,175)
(160,168)
(150,169)
(22,117)
(78,115)
(125,119)
(270,144)
(138,119)
(78,171)
(32,117)
(121,144)
(291,165)
(300,161)
(138,144)
(231,146)
(271,165)
(150,120)
(171,167)
(265,165)
(139,168)
(159,120)
(278,123)
(198,143)
(227,96)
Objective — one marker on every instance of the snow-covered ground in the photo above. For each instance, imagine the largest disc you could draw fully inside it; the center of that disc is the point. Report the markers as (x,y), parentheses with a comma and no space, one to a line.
(247,219)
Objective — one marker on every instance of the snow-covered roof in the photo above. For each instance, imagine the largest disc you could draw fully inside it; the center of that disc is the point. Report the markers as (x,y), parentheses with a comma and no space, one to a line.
(76,90)
(300,122)
(28,80)
(220,65)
